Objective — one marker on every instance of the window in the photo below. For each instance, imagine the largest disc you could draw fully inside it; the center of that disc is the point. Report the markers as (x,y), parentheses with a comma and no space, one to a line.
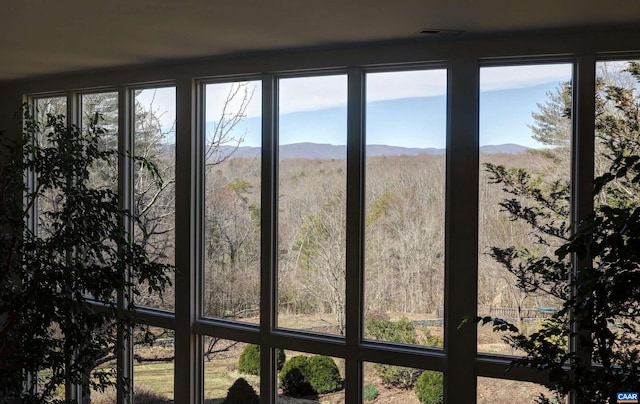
(405,203)
(321,209)
(525,124)
(312,138)
(154,138)
(232,155)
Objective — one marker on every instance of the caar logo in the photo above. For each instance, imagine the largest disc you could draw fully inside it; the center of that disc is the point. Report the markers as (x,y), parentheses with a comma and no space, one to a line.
(627,397)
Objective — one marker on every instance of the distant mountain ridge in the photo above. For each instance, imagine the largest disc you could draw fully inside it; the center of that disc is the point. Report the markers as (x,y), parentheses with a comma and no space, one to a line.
(323,151)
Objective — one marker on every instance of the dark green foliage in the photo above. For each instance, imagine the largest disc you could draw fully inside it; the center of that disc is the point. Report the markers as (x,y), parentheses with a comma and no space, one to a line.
(241,392)
(380,327)
(249,361)
(324,374)
(81,254)
(304,375)
(429,388)
(370,392)
(295,377)
(604,306)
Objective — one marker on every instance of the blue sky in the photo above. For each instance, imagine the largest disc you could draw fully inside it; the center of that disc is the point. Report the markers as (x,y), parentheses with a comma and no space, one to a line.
(403,108)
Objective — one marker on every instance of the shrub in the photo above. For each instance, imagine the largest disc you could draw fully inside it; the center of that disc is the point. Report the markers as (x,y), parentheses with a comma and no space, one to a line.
(303,375)
(396,376)
(370,392)
(241,392)
(143,395)
(249,361)
(324,374)
(380,327)
(295,377)
(429,387)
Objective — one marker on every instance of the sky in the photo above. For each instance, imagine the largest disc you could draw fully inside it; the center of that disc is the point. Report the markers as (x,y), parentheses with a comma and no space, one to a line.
(405,108)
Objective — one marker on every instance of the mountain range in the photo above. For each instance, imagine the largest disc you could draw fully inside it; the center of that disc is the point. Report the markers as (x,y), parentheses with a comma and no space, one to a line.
(327,151)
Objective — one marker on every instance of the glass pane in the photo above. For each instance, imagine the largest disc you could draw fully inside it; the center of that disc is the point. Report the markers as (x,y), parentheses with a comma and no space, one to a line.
(231,370)
(616,142)
(153,365)
(232,201)
(499,391)
(311,197)
(405,202)
(397,384)
(308,378)
(50,200)
(50,105)
(525,127)
(101,109)
(154,198)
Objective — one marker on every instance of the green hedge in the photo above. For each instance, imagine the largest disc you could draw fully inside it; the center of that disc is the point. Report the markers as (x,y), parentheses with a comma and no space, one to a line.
(249,362)
(303,375)
(428,388)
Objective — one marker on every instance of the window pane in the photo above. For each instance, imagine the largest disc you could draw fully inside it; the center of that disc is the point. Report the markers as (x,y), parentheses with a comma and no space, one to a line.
(405,202)
(616,141)
(154,200)
(153,365)
(232,152)
(50,105)
(311,221)
(51,200)
(525,124)
(397,384)
(101,109)
(225,364)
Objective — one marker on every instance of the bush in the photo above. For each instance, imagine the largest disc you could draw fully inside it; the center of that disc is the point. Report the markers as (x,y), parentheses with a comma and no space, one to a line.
(142,395)
(241,392)
(294,377)
(396,376)
(379,326)
(249,362)
(429,388)
(370,392)
(325,375)
(303,375)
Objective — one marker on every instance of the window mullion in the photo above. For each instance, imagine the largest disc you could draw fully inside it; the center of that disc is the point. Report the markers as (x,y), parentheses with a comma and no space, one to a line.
(73,391)
(582,168)
(188,356)
(268,239)
(125,191)
(461,221)
(355,234)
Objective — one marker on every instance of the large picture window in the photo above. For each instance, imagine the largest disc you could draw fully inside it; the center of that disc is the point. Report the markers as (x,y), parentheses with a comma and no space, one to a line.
(312,213)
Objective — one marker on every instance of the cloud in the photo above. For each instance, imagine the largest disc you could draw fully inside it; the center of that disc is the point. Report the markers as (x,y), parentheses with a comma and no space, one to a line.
(509,77)
(323,92)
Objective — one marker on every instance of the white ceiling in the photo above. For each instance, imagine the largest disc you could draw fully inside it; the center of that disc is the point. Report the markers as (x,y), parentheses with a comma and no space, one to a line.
(40,37)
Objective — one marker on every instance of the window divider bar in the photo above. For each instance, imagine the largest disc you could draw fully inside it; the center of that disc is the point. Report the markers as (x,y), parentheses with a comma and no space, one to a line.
(461,229)
(354,283)
(582,173)
(73,391)
(125,191)
(188,362)
(268,239)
